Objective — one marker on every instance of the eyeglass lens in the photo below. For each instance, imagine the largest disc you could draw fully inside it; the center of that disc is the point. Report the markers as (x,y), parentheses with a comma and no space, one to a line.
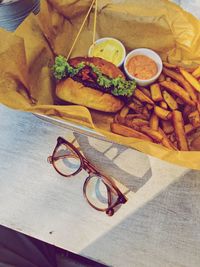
(99,194)
(66,161)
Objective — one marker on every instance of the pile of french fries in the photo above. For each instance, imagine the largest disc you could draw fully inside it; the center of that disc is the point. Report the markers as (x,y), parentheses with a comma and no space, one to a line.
(167,112)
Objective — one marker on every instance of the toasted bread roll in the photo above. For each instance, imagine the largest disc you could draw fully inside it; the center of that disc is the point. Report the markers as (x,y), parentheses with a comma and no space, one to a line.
(75,92)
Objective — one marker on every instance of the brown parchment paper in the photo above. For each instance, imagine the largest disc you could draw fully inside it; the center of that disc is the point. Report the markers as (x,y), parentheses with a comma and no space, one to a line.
(26,56)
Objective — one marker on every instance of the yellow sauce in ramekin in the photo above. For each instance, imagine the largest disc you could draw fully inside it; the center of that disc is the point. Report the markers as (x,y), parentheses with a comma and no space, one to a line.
(110,50)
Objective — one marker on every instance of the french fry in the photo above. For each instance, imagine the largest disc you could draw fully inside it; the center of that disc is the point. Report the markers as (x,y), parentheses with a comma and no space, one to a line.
(195,144)
(128,121)
(179,101)
(191,79)
(149,106)
(162,113)
(179,130)
(167,126)
(190,69)
(128,132)
(163,104)
(130,124)
(172,137)
(119,119)
(138,102)
(139,122)
(138,116)
(189,128)
(146,91)
(196,73)
(155,135)
(171,102)
(180,79)
(142,97)
(174,75)
(198,97)
(155,92)
(124,111)
(194,118)
(186,111)
(178,91)
(175,143)
(145,111)
(167,113)
(168,79)
(198,107)
(169,65)
(166,142)
(138,109)
(154,122)
(161,78)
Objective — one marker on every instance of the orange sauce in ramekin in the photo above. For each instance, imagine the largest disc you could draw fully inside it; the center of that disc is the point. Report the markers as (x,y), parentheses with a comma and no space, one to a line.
(142,67)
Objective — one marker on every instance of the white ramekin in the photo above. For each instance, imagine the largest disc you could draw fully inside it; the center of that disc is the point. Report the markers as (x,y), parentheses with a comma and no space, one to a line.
(149,53)
(109,38)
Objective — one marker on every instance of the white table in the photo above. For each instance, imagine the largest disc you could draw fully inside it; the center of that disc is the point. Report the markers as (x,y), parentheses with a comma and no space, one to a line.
(158,226)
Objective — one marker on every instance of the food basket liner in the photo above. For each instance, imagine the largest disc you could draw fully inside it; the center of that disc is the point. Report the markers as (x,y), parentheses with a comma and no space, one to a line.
(27,56)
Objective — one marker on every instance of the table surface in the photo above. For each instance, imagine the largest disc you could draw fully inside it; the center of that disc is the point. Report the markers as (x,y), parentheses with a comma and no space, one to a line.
(158,226)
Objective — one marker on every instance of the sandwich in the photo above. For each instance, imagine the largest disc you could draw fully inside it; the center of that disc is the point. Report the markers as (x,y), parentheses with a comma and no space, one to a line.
(92,82)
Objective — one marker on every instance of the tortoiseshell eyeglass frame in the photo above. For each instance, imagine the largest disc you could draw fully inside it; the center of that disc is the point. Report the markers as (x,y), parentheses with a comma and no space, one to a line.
(92,171)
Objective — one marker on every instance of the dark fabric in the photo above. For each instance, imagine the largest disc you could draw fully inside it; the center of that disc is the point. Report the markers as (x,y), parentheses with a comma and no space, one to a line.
(22,251)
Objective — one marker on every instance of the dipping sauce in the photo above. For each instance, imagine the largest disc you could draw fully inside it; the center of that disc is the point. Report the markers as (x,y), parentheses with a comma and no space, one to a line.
(110,50)
(142,67)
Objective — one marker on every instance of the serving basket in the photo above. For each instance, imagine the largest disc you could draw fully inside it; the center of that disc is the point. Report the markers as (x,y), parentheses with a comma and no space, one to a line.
(57,28)
(73,127)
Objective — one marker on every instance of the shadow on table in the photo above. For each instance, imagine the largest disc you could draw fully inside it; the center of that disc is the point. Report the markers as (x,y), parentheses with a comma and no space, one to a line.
(163,232)
(128,166)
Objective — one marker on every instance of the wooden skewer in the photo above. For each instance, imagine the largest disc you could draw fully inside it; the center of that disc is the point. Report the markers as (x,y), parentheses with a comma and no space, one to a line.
(95,22)
(81,28)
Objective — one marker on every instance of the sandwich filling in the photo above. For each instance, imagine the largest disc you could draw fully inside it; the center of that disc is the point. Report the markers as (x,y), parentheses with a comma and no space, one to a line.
(89,74)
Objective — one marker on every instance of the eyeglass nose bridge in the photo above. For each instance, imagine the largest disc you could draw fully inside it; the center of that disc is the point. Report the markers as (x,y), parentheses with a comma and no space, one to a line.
(50,160)
(89,167)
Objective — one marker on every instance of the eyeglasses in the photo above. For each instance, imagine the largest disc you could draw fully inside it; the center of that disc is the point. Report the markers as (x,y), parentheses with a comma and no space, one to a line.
(99,190)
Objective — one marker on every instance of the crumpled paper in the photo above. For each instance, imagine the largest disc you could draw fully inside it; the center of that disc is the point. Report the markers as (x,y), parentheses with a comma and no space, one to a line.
(26,56)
